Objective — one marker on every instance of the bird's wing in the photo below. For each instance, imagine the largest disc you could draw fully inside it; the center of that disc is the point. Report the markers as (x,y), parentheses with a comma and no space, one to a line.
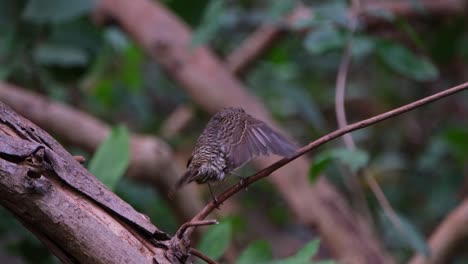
(254,138)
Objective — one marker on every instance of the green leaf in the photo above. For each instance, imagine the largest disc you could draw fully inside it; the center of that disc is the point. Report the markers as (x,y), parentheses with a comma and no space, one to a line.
(457,139)
(279,8)
(398,58)
(321,162)
(355,159)
(323,39)
(56,11)
(50,54)
(380,13)
(332,11)
(256,252)
(216,240)
(110,161)
(309,250)
(303,256)
(328,261)
(409,235)
(211,23)
(362,46)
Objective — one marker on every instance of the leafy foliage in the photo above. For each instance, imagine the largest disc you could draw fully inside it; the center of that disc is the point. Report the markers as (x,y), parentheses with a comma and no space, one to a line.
(210,24)
(257,252)
(401,60)
(56,11)
(216,240)
(354,159)
(111,158)
(53,48)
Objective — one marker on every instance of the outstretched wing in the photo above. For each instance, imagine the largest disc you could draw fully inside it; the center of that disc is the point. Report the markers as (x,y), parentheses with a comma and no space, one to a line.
(252,138)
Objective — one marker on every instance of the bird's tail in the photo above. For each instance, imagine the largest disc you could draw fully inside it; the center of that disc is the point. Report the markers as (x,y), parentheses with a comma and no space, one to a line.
(180,182)
(186,178)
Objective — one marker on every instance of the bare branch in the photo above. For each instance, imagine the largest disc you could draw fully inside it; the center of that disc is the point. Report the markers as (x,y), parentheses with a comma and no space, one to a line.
(186,225)
(202,256)
(314,144)
(151,158)
(450,234)
(74,214)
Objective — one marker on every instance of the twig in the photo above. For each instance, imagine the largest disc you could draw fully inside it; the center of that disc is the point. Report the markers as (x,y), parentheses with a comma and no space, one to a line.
(186,225)
(349,177)
(448,238)
(385,204)
(324,139)
(177,121)
(202,256)
(341,90)
(252,48)
(348,139)
(261,40)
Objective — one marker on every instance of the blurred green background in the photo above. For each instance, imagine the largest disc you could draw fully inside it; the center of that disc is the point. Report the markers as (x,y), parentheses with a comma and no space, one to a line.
(419,159)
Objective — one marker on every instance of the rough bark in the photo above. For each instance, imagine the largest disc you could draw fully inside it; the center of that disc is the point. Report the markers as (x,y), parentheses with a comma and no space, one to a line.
(151,158)
(166,39)
(67,208)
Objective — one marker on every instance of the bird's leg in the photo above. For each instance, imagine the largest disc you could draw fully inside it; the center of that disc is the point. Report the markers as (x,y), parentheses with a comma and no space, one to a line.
(216,202)
(242,179)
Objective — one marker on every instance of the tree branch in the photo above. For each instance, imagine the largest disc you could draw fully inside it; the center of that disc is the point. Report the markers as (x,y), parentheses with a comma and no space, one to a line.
(151,158)
(448,236)
(202,256)
(314,144)
(74,214)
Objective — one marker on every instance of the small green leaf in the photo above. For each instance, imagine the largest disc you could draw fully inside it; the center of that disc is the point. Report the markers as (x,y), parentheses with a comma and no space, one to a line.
(398,58)
(332,11)
(210,24)
(279,8)
(457,139)
(321,162)
(110,161)
(49,54)
(256,252)
(55,11)
(309,250)
(409,235)
(381,13)
(327,261)
(303,256)
(216,240)
(323,39)
(362,46)
(355,159)
(132,72)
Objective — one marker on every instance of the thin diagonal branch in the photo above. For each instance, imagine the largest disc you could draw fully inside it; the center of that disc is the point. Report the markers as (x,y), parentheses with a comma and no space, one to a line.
(314,144)
(202,256)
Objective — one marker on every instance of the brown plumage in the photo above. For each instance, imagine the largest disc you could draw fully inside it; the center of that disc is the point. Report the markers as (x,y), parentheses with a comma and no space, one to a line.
(230,139)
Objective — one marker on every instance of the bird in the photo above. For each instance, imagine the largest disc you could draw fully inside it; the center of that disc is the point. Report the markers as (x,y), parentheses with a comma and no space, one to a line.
(230,139)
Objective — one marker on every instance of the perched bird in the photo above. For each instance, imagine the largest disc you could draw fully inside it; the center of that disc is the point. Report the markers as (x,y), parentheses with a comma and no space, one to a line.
(230,139)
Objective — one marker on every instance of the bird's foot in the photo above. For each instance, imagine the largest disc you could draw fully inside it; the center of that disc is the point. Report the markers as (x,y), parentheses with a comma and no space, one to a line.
(242,181)
(216,202)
